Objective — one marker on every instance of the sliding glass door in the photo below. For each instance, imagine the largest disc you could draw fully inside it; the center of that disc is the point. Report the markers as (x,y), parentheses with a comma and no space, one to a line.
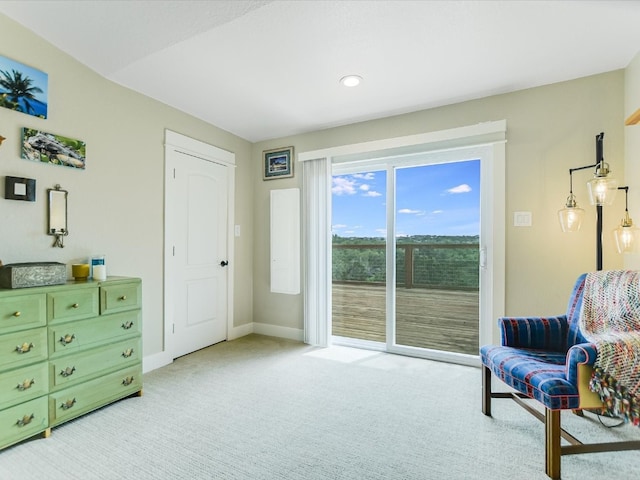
(405,256)
(437,234)
(359,241)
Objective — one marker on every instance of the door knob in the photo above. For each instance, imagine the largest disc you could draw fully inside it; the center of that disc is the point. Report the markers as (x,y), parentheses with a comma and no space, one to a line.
(224,263)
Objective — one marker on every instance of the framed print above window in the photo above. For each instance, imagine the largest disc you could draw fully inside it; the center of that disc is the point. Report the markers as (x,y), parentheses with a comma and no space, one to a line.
(278,163)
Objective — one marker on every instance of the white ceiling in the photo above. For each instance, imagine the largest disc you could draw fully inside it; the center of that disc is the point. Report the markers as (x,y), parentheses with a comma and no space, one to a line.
(267,69)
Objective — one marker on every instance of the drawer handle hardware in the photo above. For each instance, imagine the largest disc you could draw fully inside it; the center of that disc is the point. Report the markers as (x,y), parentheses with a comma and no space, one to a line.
(25,347)
(127,353)
(26,420)
(75,305)
(127,325)
(123,298)
(67,339)
(127,381)
(17,314)
(67,372)
(68,404)
(26,385)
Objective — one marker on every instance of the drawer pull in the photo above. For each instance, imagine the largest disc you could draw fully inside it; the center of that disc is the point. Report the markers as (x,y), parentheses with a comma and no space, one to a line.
(68,404)
(127,325)
(123,298)
(25,347)
(17,314)
(67,339)
(26,420)
(75,305)
(127,381)
(67,372)
(127,353)
(26,385)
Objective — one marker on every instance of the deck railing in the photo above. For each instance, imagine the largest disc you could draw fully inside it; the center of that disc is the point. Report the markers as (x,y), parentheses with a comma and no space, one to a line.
(418,265)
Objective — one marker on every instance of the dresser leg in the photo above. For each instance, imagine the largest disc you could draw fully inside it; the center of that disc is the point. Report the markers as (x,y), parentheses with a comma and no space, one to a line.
(46,433)
(139,393)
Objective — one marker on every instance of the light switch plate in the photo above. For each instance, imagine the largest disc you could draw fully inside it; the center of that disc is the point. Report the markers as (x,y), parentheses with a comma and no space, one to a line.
(522,219)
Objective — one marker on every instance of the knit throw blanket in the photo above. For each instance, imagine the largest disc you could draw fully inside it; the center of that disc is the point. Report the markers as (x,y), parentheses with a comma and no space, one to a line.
(610,318)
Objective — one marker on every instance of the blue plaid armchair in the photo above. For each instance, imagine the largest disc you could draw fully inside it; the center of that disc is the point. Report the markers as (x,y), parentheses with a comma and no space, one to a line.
(548,360)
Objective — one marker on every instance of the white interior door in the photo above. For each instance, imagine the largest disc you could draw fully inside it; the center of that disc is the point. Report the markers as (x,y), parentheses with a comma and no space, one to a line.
(199,252)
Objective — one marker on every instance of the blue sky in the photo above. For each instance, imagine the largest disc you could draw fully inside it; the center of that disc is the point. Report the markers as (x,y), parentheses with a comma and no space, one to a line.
(40,78)
(440,199)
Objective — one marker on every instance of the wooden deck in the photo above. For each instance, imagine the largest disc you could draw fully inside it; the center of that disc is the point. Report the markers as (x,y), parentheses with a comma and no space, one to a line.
(436,319)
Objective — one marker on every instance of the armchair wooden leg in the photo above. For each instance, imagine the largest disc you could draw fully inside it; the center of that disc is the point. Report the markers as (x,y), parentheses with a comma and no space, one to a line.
(552,443)
(486,390)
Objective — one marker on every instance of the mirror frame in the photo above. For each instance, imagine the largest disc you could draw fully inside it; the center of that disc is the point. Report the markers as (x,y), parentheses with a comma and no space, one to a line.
(58,223)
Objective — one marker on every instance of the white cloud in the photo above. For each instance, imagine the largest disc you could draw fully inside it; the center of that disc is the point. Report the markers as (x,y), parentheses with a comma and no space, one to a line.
(371,193)
(364,187)
(408,210)
(464,188)
(338,226)
(381,231)
(437,211)
(343,186)
(365,176)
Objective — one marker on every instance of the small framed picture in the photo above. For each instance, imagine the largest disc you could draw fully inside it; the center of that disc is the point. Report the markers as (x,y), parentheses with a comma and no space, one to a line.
(278,163)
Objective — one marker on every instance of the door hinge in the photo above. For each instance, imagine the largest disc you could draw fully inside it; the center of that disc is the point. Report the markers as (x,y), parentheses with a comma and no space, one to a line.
(174,250)
(174,173)
(173,328)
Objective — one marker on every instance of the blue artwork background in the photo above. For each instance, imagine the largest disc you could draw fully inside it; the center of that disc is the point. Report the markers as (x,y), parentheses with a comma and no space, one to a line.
(39,104)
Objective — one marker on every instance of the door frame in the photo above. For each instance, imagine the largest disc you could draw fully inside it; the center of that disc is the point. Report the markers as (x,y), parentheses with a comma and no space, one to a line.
(489,137)
(176,142)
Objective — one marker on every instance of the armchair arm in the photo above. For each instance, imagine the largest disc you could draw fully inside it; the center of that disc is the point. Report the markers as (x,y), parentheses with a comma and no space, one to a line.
(542,333)
(580,354)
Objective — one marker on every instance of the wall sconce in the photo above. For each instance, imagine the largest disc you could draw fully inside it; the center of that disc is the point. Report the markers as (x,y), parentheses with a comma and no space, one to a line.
(602,191)
(627,236)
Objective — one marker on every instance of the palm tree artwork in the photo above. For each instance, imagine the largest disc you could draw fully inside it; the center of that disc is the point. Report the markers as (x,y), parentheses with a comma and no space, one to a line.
(19,89)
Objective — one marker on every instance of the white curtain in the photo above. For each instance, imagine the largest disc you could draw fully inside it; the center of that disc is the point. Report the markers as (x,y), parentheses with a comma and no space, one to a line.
(316,187)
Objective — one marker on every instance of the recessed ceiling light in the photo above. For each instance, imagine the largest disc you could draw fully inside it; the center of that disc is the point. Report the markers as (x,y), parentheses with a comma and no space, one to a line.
(351,80)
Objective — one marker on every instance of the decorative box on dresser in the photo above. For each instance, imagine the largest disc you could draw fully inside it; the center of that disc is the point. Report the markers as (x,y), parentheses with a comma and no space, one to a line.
(66,350)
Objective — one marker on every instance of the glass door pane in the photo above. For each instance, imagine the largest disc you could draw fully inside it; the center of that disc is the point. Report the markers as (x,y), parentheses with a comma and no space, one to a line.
(437,256)
(358,256)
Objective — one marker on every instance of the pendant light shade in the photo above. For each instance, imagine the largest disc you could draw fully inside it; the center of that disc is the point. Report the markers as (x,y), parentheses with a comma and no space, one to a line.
(602,188)
(627,235)
(571,215)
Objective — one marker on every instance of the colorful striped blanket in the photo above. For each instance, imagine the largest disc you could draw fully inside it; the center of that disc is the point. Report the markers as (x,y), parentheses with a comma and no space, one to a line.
(610,318)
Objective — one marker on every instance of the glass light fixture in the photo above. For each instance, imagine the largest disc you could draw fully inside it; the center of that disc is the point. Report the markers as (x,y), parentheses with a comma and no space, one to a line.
(602,188)
(627,235)
(571,215)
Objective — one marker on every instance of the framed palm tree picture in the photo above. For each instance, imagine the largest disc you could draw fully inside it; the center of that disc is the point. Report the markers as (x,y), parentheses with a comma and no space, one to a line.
(22,88)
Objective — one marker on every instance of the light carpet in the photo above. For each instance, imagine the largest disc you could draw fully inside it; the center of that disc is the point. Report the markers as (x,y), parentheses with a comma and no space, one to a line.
(267,408)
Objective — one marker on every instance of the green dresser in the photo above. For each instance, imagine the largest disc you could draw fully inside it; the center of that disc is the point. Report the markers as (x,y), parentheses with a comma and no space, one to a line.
(66,350)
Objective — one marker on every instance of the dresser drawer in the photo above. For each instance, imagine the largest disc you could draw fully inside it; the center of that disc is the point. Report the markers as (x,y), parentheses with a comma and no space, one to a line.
(74,304)
(23,384)
(23,348)
(71,402)
(23,421)
(120,297)
(21,312)
(76,336)
(71,369)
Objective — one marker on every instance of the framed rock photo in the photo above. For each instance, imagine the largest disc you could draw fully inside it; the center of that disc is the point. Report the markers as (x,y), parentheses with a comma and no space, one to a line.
(278,163)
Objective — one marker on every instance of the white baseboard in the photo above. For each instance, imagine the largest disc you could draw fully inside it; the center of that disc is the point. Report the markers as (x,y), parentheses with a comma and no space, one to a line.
(276,331)
(161,359)
(157,360)
(241,331)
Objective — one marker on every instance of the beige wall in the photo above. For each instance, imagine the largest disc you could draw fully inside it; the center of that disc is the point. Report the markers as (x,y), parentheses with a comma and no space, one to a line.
(549,130)
(116,204)
(632,150)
